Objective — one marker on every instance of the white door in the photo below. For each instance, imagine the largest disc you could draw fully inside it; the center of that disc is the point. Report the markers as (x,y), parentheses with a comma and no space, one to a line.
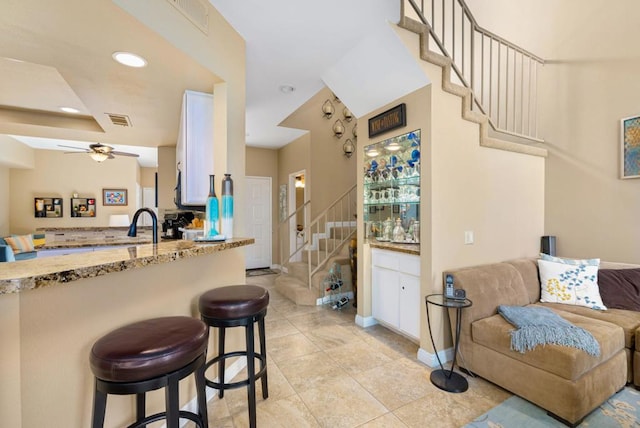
(148,201)
(258,221)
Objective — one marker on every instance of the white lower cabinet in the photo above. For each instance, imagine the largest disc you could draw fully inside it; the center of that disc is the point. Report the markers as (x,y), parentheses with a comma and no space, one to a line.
(396,290)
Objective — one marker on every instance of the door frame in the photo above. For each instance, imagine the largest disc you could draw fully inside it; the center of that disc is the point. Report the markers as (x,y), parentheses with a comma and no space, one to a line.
(293,233)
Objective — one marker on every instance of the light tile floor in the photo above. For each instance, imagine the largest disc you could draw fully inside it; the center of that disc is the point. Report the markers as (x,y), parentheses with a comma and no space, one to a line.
(325,371)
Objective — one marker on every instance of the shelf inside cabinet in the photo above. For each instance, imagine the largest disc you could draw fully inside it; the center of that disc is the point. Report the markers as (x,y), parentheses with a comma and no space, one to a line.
(392,188)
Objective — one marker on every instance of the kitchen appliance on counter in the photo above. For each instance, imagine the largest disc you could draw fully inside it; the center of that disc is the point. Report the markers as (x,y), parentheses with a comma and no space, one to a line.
(173,222)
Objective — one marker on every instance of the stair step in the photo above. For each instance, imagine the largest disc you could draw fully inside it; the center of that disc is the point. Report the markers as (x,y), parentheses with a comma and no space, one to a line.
(296,291)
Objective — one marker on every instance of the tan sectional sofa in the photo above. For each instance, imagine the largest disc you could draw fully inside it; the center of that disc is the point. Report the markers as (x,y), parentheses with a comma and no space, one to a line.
(565,381)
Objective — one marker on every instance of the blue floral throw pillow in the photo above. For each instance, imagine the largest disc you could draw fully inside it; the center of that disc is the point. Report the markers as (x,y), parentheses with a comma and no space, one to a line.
(570,284)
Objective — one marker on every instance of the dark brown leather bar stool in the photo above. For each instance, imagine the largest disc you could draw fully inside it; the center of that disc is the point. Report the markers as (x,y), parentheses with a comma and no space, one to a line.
(236,306)
(150,355)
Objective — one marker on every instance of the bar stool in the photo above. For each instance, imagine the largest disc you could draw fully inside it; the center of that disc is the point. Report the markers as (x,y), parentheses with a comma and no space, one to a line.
(236,306)
(150,355)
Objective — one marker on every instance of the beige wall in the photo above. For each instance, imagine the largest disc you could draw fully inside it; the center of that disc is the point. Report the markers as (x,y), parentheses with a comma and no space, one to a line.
(166,177)
(47,336)
(4,194)
(222,51)
(264,163)
(588,84)
(295,156)
(148,177)
(496,194)
(59,175)
(330,172)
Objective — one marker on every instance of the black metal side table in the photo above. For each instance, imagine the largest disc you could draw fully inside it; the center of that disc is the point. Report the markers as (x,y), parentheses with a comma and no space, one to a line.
(448,380)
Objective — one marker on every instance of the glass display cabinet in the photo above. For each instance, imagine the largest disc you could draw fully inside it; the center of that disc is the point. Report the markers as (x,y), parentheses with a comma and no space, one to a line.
(392,189)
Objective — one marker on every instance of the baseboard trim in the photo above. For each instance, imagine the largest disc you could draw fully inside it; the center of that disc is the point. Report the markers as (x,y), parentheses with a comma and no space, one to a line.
(365,322)
(431,360)
(229,373)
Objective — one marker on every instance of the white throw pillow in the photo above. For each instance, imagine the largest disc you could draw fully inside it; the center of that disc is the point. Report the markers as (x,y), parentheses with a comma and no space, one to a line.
(591,262)
(570,284)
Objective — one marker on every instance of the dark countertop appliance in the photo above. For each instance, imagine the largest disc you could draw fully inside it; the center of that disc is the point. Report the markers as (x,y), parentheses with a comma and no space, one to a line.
(173,222)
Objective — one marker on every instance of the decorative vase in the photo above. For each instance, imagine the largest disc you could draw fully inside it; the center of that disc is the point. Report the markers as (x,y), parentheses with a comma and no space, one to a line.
(212,211)
(398,231)
(227,206)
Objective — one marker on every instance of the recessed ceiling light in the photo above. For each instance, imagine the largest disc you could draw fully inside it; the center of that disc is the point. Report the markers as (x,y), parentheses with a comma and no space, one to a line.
(129,59)
(70,110)
(287,89)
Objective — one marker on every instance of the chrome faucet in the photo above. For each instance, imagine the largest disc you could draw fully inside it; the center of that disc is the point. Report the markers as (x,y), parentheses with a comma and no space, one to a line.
(133,229)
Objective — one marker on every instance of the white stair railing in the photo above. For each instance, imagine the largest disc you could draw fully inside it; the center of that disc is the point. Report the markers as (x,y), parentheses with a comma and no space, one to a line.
(503,77)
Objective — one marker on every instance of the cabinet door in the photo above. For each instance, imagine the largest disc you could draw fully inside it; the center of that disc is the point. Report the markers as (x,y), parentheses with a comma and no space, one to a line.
(409,303)
(194,151)
(385,296)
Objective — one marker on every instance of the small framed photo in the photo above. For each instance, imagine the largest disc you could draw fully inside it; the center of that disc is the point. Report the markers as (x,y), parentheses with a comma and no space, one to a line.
(396,209)
(114,197)
(630,147)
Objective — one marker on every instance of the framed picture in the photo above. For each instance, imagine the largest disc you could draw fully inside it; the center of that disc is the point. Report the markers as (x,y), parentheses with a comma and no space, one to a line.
(630,147)
(114,197)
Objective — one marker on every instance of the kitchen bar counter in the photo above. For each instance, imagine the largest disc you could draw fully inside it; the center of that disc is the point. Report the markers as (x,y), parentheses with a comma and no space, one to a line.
(44,272)
(53,309)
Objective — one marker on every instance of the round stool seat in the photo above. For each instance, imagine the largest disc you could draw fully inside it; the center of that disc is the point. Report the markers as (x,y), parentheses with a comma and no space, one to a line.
(234,301)
(148,349)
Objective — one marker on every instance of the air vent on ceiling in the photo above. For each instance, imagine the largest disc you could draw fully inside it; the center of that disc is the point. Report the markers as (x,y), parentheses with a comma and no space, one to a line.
(119,119)
(196,11)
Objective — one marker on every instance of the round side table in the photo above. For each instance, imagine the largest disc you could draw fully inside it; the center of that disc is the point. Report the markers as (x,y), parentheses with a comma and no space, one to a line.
(448,380)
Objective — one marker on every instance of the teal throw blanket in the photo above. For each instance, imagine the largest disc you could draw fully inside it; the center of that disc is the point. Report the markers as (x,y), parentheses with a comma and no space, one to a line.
(537,325)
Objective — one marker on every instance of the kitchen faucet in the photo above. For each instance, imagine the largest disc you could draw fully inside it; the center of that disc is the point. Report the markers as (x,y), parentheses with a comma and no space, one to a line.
(133,229)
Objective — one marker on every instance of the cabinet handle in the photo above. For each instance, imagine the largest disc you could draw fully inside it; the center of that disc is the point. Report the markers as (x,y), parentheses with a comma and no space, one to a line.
(403,287)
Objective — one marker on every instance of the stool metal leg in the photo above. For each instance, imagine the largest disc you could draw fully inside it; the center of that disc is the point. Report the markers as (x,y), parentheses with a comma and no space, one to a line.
(251,371)
(263,360)
(99,407)
(221,363)
(201,388)
(140,406)
(173,407)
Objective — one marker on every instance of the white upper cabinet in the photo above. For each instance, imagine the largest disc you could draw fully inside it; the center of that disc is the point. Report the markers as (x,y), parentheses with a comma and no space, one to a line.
(194,150)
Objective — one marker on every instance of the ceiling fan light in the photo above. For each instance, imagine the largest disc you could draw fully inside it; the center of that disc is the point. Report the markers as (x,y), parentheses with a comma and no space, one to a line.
(129,59)
(99,157)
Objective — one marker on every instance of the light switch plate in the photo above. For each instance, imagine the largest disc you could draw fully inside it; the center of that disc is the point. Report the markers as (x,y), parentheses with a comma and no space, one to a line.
(468,237)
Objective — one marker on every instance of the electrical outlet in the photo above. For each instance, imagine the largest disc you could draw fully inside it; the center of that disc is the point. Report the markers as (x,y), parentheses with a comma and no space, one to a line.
(468,237)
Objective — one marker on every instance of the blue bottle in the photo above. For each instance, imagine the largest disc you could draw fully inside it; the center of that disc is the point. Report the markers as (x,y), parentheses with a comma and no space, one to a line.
(227,206)
(212,211)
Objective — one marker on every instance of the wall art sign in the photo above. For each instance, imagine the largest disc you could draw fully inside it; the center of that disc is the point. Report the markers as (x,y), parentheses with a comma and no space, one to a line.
(114,197)
(388,120)
(630,147)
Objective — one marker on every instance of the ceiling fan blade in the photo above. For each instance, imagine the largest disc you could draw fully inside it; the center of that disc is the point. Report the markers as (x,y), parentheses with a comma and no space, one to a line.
(133,155)
(77,153)
(77,148)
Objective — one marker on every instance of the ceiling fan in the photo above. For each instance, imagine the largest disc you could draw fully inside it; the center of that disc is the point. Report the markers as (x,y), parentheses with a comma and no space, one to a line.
(99,152)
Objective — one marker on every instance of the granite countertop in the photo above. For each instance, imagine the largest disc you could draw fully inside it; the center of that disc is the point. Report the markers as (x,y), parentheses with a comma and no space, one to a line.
(24,275)
(88,228)
(105,242)
(392,246)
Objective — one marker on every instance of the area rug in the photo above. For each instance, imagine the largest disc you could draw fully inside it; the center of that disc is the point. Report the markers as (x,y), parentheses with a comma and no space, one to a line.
(259,272)
(621,410)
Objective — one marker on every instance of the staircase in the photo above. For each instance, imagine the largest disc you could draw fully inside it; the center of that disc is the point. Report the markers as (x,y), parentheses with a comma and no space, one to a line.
(496,79)
(325,243)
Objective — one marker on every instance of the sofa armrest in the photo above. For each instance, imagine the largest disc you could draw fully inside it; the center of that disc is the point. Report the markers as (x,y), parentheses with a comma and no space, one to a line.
(6,254)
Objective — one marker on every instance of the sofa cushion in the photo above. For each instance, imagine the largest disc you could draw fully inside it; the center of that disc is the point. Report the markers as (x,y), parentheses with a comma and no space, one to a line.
(20,243)
(620,288)
(570,284)
(528,270)
(628,320)
(569,363)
